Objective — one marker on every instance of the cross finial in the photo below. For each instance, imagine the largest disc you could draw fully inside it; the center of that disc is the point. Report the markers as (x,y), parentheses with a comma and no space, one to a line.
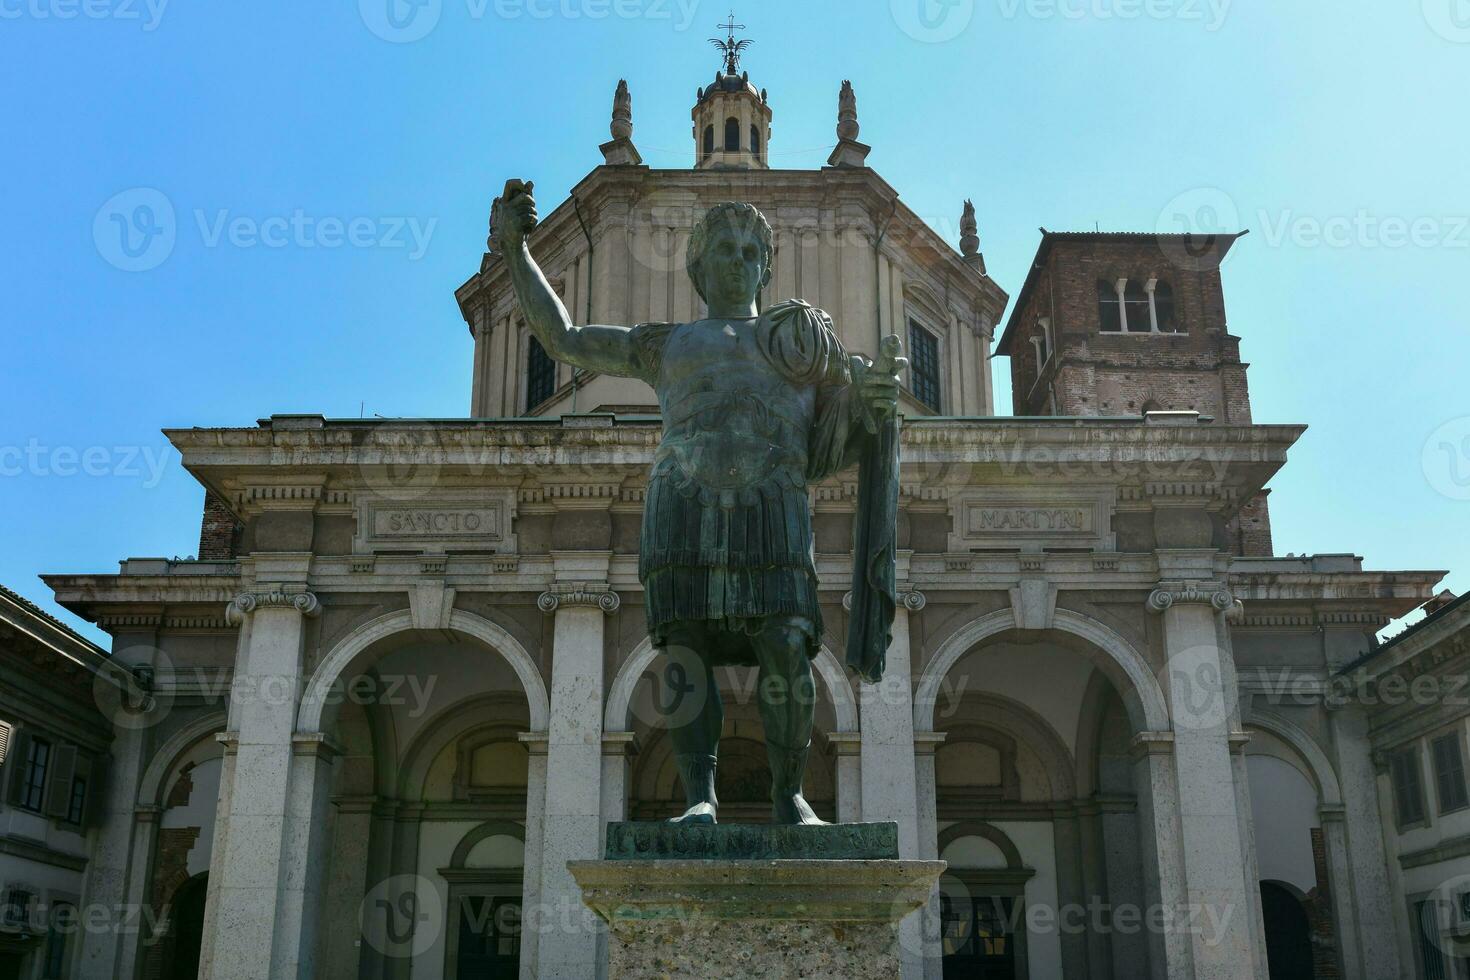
(729,46)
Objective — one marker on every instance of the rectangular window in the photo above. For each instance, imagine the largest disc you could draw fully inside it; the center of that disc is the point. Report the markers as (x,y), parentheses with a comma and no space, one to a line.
(76,806)
(924,364)
(17,911)
(33,786)
(540,374)
(1408,790)
(1449,773)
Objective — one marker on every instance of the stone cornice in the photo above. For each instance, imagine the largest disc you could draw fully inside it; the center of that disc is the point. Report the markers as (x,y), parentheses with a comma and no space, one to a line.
(594,595)
(246,603)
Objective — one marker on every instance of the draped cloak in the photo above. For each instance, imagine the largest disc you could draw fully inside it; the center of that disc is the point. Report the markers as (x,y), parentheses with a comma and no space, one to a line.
(754,413)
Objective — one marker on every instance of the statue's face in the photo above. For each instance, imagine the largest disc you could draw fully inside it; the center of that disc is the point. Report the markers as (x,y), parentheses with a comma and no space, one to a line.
(733,269)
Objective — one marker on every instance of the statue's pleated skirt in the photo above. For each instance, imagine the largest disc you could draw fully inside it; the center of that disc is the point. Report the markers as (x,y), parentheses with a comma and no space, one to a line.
(734,556)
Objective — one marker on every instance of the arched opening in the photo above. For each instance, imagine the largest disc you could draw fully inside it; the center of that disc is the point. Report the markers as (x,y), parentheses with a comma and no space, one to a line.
(184,783)
(732,134)
(485,902)
(1291,781)
(755,141)
(1288,933)
(1038,749)
(709,139)
(649,779)
(186,932)
(426,726)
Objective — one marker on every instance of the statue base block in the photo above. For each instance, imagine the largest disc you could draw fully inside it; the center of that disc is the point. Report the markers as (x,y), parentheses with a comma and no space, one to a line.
(732,918)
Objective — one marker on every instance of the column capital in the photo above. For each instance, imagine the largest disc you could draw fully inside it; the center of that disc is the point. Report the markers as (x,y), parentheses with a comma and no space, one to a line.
(246,603)
(586,594)
(1214,594)
(1152,743)
(911,599)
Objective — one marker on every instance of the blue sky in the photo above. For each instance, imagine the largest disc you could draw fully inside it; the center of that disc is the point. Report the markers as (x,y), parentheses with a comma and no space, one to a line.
(329,172)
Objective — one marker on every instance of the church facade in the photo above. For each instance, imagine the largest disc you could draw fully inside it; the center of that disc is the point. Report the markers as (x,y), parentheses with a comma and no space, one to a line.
(407,679)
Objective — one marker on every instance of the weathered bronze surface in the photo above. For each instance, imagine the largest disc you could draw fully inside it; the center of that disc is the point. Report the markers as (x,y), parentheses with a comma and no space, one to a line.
(757,405)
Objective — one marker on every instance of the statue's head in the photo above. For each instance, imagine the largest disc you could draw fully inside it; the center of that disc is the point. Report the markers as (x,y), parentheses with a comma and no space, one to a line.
(729,255)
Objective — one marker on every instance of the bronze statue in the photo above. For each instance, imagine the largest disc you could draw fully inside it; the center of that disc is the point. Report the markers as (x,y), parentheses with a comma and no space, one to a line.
(756,407)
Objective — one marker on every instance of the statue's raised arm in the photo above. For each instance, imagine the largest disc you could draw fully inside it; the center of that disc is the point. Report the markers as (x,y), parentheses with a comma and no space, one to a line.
(605,349)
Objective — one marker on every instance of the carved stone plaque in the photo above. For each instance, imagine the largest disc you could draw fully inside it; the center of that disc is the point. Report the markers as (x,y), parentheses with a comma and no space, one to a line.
(481,523)
(1016,517)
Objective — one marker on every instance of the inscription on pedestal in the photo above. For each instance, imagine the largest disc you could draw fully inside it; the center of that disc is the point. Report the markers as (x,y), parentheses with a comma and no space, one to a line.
(635,841)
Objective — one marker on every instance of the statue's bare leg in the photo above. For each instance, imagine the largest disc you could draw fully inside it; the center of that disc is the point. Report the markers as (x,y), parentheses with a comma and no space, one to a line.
(787,698)
(689,699)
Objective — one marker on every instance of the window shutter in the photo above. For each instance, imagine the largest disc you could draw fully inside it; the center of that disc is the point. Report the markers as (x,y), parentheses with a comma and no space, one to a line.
(96,791)
(15,764)
(58,781)
(4,741)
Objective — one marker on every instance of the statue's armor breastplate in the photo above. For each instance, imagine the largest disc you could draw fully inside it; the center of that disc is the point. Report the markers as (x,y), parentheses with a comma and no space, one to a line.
(731,421)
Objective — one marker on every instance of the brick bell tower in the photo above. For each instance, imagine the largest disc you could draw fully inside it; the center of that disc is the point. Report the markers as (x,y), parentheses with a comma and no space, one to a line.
(1121,324)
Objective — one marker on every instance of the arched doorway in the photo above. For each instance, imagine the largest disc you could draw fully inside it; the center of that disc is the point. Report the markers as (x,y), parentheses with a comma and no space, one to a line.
(186,935)
(1288,933)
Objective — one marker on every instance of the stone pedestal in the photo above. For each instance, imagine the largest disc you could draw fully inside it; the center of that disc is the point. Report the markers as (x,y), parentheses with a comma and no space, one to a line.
(753,908)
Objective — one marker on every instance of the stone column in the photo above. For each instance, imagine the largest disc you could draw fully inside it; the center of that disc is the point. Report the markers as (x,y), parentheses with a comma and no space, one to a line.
(121,861)
(116,864)
(258,923)
(1367,879)
(535,743)
(886,758)
(1216,856)
(572,817)
(1350,958)
(927,800)
(848,748)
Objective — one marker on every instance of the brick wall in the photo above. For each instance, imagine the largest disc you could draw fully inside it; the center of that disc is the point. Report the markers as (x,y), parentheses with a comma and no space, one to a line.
(219,532)
(1092,373)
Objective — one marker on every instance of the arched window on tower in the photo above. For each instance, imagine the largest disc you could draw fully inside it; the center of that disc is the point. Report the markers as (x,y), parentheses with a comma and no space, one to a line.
(709,139)
(732,134)
(1164,308)
(1135,301)
(1108,306)
(755,141)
